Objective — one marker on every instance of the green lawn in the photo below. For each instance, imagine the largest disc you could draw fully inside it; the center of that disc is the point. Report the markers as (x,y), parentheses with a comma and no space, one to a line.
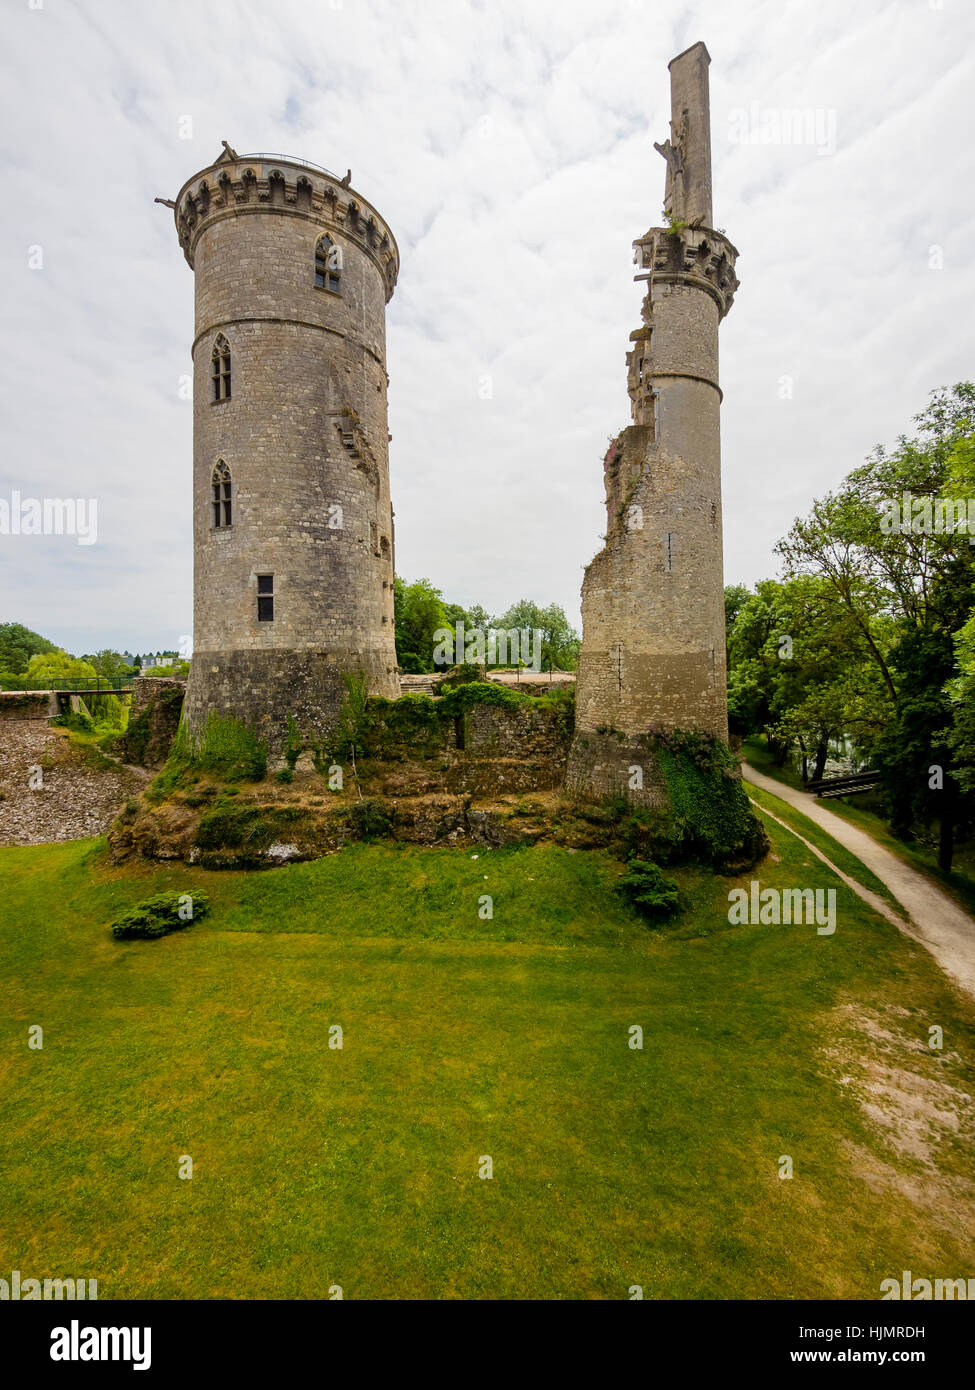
(462,1037)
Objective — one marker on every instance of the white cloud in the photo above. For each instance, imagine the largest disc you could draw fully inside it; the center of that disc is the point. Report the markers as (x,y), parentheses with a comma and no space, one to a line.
(510,147)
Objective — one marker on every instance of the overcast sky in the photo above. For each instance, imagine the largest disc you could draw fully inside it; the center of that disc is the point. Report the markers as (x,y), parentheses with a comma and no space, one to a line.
(509,145)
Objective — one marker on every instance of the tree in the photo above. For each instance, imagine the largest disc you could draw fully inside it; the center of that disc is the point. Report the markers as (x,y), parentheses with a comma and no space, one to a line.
(797,673)
(559,639)
(908,592)
(419,611)
(110,664)
(18,644)
(48,668)
(178,669)
(735,595)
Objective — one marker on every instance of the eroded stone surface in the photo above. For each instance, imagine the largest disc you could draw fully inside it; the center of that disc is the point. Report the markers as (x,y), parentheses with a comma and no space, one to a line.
(77,797)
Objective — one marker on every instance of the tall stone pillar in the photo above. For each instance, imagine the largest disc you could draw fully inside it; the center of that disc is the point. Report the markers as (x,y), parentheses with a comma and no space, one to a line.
(653,637)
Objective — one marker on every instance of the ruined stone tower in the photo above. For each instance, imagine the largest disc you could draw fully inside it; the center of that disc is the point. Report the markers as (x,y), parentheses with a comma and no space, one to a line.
(293,528)
(653,644)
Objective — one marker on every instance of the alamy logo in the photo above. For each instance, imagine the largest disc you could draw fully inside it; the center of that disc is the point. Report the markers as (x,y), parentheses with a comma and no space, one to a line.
(928,516)
(50,516)
(496,647)
(27,1289)
(774,907)
(76,1343)
(779,125)
(923,1289)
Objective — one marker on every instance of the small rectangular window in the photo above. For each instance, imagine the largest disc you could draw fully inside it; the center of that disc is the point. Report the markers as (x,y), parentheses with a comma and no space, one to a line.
(265,598)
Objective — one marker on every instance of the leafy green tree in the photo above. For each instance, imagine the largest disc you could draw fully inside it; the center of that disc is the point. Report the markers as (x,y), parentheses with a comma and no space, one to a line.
(18,644)
(110,664)
(50,667)
(796,671)
(735,595)
(560,641)
(908,593)
(419,611)
(478,617)
(961,693)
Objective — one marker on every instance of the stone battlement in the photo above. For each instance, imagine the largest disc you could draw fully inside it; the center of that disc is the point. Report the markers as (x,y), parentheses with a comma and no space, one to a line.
(231,187)
(689,255)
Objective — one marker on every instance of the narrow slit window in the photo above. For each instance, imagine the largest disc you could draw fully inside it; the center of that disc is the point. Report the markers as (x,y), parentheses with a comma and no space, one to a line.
(220,369)
(265,598)
(221,485)
(328,264)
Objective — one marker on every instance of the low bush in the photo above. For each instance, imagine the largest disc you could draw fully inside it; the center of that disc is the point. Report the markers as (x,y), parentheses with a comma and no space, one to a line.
(156,916)
(369,819)
(648,891)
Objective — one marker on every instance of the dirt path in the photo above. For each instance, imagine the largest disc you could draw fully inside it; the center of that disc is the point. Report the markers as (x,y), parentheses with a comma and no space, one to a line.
(937,922)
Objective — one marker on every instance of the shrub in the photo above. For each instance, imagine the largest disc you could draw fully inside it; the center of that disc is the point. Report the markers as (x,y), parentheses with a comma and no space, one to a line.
(407,726)
(156,916)
(464,673)
(249,828)
(648,891)
(463,697)
(286,774)
(76,721)
(292,747)
(369,819)
(226,747)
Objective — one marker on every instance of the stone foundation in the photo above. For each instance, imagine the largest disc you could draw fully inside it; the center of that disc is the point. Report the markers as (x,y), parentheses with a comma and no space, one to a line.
(263,687)
(602,766)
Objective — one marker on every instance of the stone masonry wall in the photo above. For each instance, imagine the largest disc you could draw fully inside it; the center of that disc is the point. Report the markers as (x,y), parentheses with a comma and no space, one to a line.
(305,437)
(27,704)
(157,702)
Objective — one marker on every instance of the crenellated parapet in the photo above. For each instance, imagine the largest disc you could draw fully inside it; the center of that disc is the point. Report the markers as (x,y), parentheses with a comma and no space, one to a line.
(236,185)
(687,255)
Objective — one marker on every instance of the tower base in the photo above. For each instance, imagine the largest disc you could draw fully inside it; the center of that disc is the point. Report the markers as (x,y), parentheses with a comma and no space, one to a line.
(262,688)
(604,766)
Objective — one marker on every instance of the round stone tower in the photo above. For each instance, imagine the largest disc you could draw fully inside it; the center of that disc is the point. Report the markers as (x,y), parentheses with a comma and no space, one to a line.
(292,526)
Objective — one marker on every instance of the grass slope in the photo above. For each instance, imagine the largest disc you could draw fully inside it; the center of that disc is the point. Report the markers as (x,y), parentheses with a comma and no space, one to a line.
(463,1037)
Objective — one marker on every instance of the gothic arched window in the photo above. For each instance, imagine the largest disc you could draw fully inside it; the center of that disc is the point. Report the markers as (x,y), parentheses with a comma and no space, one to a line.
(328,264)
(222,487)
(220,369)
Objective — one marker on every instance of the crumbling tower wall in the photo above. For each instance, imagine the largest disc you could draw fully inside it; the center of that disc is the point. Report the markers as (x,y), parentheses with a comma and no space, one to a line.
(653,645)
